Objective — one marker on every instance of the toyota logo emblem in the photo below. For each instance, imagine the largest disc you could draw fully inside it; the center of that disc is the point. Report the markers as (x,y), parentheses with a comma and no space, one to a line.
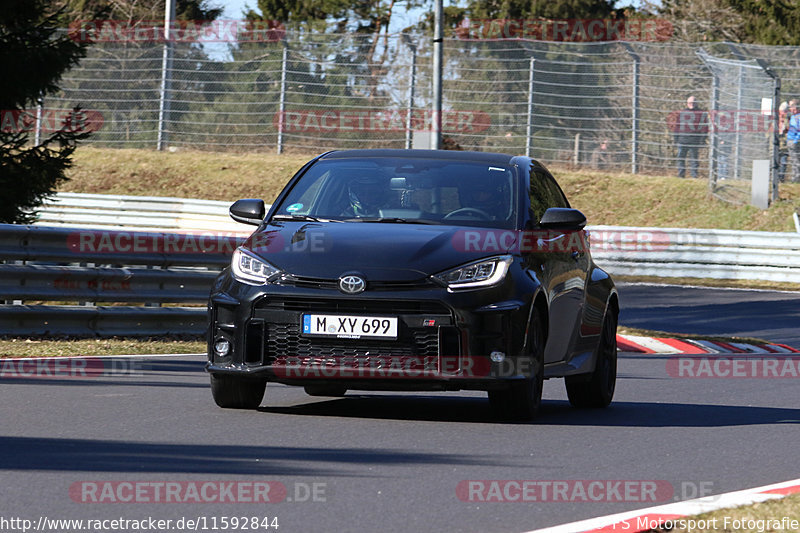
(352,284)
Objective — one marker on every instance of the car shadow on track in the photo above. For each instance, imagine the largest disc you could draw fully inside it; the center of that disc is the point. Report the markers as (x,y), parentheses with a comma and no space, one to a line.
(553,412)
(386,407)
(92,455)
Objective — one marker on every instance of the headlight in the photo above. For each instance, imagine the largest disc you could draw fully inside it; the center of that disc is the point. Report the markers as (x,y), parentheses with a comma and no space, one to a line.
(248,268)
(484,273)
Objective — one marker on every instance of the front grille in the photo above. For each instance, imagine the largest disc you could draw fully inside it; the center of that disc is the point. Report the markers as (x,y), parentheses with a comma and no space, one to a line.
(333,284)
(284,341)
(348,305)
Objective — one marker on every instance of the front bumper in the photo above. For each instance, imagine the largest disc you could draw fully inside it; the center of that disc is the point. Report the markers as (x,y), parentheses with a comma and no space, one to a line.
(444,339)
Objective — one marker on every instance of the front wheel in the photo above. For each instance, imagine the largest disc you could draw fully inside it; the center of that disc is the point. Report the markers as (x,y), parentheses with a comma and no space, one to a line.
(522,400)
(233,392)
(598,389)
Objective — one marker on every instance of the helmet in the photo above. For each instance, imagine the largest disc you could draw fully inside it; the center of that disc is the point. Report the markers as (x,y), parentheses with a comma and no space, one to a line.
(484,194)
(367,194)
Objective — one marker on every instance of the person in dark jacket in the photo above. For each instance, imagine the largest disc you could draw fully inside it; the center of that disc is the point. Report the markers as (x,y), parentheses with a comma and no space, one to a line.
(690,129)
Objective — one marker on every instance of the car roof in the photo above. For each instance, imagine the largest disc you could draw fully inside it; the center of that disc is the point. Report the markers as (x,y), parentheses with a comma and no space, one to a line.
(454,155)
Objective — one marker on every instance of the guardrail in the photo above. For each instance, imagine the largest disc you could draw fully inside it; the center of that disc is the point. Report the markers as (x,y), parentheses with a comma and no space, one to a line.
(72,266)
(144,213)
(697,253)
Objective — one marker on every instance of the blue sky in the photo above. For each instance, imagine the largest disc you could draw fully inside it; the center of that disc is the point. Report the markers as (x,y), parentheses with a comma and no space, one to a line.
(235,8)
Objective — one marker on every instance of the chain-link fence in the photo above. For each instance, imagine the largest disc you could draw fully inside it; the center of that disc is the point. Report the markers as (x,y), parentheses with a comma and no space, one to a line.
(607,105)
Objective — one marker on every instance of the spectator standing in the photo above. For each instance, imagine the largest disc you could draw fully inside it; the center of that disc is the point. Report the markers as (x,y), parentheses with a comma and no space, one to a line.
(690,129)
(601,158)
(793,140)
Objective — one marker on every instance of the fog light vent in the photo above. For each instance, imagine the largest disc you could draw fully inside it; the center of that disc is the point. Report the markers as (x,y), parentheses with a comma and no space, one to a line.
(222,347)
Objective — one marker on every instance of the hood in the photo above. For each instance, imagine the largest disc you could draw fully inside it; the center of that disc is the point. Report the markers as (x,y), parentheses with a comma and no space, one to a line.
(379,251)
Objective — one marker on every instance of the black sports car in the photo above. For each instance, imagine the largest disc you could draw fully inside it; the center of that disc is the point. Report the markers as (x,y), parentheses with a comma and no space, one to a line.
(415,270)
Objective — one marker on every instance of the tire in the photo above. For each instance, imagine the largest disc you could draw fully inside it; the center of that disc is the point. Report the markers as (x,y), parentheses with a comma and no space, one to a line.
(598,390)
(522,400)
(325,390)
(232,392)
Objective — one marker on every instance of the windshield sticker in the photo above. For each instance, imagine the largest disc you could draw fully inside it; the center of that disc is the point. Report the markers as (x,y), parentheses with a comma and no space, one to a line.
(294,207)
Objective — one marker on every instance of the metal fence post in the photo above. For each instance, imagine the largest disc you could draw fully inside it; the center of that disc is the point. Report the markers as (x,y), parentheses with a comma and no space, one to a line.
(412,80)
(166,68)
(37,136)
(738,134)
(713,142)
(635,116)
(438,60)
(775,139)
(529,128)
(282,98)
(776,142)
(634,106)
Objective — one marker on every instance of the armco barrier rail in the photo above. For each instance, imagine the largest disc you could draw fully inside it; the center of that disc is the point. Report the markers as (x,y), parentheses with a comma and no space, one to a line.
(697,253)
(145,213)
(74,265)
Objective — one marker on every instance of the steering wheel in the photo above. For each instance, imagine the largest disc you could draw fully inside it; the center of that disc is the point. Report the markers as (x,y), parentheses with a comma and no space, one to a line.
(471,211)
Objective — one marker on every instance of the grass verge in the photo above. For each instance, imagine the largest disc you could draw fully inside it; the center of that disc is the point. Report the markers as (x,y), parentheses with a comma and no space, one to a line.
(605,198)
(44,347)
(708,282)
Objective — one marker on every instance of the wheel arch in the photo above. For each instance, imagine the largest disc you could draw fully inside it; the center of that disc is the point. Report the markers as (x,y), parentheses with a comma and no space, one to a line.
(539,307)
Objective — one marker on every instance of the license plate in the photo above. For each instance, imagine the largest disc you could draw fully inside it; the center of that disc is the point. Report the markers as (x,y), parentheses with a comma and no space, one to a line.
(350,327)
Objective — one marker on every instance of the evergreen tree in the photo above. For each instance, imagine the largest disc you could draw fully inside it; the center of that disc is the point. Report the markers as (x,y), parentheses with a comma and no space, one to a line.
(32,58)
(548,9)
(769,22)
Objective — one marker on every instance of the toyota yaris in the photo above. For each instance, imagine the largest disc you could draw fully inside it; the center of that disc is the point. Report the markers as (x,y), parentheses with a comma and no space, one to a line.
(415,270)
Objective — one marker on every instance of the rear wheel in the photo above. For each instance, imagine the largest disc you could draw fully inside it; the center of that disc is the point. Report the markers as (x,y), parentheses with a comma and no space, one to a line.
(598,389)
(234,392)
(325,390)
(522,400)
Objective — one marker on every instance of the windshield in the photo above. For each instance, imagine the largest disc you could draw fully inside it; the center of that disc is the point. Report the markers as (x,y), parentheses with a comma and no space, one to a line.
(423,191)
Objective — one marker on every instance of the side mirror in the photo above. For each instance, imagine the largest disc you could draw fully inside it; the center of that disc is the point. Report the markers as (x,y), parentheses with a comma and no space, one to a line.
(563,218)
(248,211)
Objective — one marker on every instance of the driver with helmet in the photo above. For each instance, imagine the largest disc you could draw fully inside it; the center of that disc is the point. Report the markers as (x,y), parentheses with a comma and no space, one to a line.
(486,196)
(367,195)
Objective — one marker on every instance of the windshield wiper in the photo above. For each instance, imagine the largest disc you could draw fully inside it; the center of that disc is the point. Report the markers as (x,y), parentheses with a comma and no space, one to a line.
(398,220)
(305,218)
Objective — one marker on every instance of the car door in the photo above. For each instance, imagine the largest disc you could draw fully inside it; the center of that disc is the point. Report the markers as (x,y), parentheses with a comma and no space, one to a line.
(561,264)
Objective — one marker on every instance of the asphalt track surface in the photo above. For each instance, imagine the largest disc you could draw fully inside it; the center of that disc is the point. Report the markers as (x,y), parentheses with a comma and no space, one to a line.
(769,315)
(393,461)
